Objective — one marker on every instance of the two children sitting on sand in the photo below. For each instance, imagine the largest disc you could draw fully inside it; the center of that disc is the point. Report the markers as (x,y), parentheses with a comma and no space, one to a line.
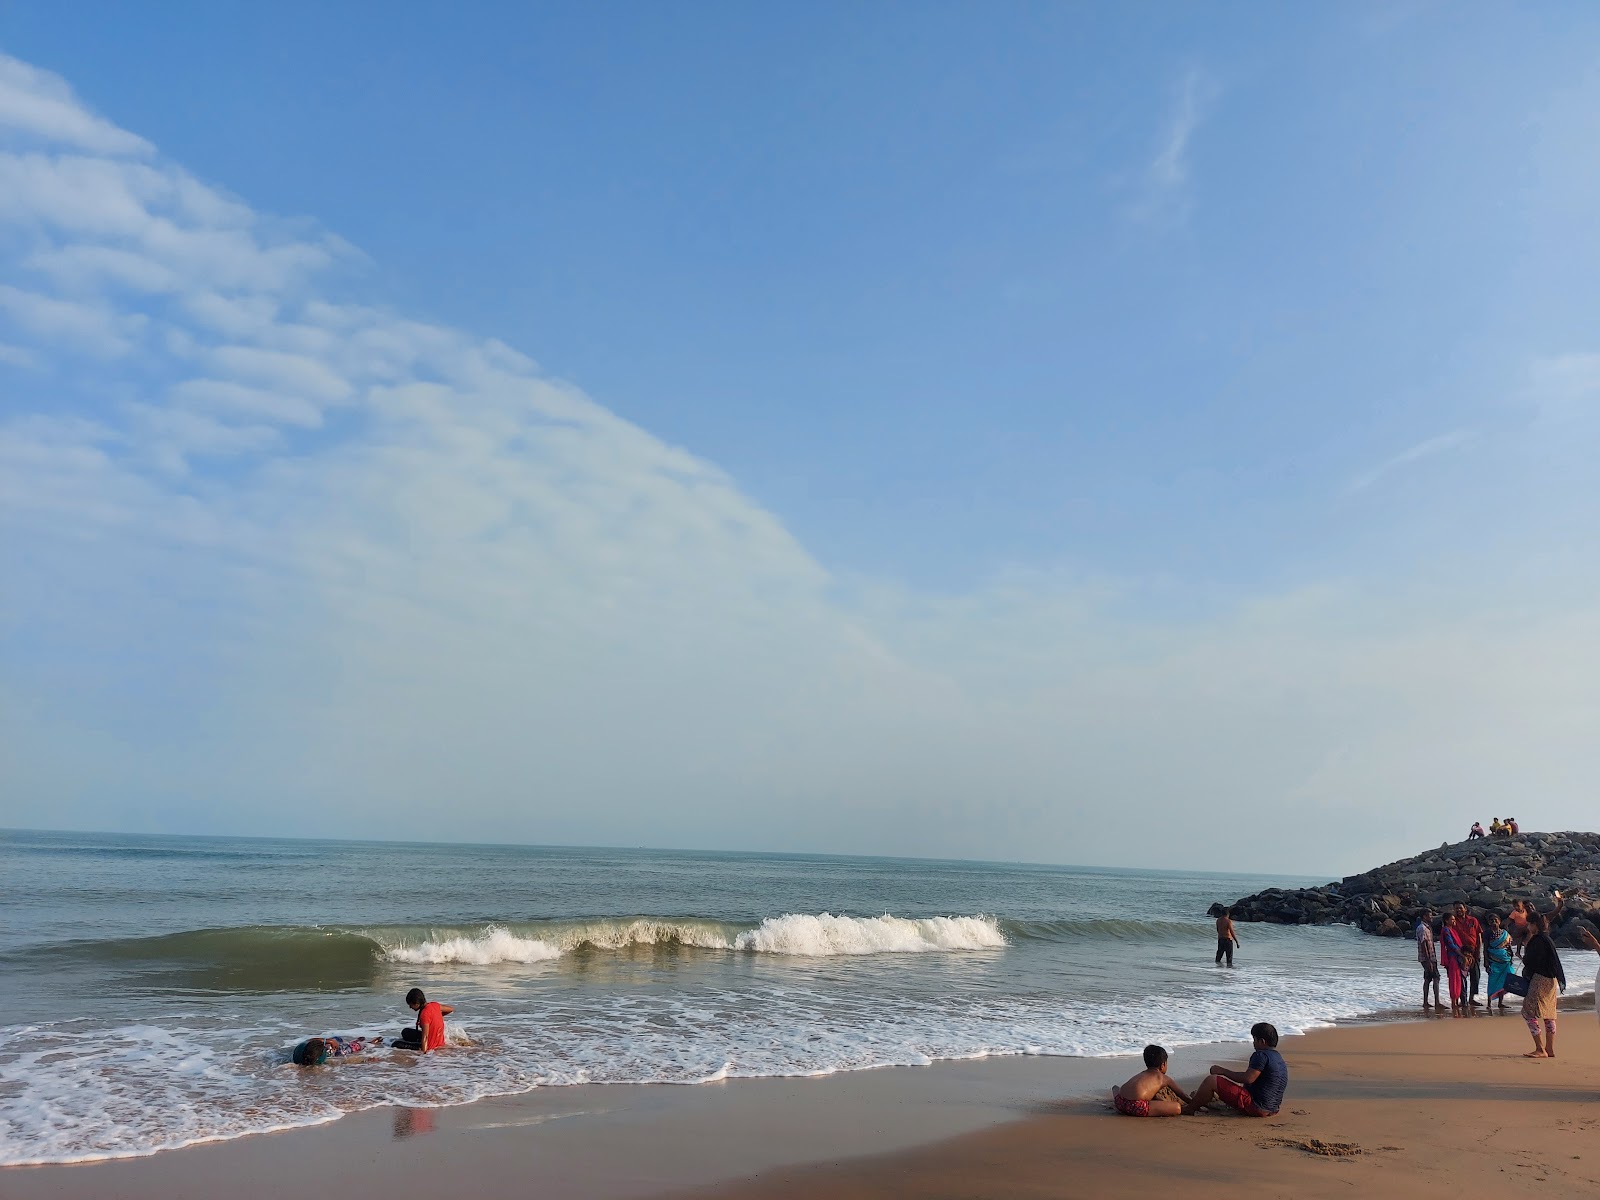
(1256,1091)
(427,1034)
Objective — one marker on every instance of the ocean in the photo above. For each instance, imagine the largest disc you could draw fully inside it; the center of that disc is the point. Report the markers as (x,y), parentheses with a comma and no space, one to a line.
(151,988)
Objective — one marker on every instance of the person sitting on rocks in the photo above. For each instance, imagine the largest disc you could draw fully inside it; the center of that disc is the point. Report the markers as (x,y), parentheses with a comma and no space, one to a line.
(1497,827)
(1476,831)
(1511,827)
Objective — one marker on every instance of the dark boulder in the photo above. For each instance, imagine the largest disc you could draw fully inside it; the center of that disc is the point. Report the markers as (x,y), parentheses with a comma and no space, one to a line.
(1486,874)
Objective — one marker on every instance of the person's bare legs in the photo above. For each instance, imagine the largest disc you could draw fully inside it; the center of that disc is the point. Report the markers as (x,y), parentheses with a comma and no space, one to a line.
(1550,1039)
(1538,1045)
(1205,1093)
(1156,1108)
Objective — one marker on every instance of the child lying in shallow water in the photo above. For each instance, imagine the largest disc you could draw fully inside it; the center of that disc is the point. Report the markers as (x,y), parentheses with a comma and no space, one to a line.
(1150,1093)
(313,1052)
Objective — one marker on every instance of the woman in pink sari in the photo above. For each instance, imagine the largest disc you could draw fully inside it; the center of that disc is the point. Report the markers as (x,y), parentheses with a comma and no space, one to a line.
(1453,961)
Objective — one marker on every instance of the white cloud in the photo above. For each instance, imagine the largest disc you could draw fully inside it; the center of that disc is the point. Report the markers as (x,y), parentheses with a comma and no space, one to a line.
(88,327)
(1165,188)
(226,396)
(1566,386)
(295,373)
(91,267)
(334,567)
(40,104)
(1439,444)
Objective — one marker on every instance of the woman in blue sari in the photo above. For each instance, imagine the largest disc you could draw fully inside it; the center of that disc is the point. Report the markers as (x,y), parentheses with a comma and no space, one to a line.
(1497,957)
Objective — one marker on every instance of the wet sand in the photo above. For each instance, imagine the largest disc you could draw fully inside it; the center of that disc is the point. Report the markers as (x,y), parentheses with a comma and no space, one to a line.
(1416,1108)
(1445,1108)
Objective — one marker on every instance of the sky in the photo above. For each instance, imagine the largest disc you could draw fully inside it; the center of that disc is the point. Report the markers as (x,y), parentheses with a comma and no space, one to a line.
(1144,435)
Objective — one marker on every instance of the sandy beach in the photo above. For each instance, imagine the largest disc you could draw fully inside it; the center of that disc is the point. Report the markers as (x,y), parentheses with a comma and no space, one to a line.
(1429,1108)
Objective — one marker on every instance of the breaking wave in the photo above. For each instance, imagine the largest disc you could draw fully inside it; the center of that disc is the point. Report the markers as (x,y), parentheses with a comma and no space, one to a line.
(291,957)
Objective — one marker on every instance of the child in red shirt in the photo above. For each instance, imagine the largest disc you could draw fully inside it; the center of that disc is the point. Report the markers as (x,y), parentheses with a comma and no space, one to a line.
(428,1033)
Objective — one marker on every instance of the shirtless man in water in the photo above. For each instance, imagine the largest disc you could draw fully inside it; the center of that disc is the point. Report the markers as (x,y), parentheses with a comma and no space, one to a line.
(1227,936)
(1151,1093)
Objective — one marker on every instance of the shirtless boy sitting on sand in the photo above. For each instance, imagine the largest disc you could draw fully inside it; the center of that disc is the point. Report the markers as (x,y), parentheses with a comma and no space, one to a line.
(1151,1093)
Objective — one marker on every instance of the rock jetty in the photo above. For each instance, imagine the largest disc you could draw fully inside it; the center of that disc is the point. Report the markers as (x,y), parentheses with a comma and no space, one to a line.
(1486,874)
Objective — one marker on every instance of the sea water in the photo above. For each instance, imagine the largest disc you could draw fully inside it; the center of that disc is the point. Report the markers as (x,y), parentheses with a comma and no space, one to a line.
(151,987)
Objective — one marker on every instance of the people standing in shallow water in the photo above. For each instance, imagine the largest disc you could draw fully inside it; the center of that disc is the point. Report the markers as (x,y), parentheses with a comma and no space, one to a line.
(1256,1091)
(1227,937)
(1469,932)
(1497,959)
(1517,925)
(1152,1092)
(1428,956)
(1450,960)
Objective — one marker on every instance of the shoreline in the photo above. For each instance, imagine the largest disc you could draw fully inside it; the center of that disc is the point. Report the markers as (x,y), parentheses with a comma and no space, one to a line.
(1431,1108)
(758,1137)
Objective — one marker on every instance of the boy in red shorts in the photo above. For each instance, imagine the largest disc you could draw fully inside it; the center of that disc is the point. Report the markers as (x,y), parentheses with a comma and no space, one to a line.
(1256,1091)
(1150,1093)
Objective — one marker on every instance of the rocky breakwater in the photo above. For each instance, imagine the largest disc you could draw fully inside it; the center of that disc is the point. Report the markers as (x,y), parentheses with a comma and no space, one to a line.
(1486,874)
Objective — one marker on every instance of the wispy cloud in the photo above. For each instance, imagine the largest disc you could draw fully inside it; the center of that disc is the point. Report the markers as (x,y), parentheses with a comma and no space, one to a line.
(1564,387)
(288,561)
(1165,193)
(1434,446)
(37,104)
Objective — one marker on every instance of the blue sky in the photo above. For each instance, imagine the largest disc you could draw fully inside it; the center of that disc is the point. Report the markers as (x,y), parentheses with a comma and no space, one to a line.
(920,429)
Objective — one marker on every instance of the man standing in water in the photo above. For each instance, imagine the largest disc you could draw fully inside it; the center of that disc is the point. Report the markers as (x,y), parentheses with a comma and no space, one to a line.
(1227,936)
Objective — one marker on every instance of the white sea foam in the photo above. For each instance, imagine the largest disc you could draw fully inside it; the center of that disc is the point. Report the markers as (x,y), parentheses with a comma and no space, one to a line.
(493,945)
(77,1091)
(825,935)
(794,934)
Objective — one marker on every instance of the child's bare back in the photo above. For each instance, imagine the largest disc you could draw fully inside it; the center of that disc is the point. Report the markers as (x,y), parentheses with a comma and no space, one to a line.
(1150,1093)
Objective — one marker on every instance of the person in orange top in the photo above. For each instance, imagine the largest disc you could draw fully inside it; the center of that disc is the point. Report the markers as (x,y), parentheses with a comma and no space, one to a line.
(428,1033)
(1469,932)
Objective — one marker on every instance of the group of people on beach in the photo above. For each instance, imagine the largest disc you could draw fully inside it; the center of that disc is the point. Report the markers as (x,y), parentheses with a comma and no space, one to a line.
(1497,828)
(1469,951)
(1256,1090)
(425,1034)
